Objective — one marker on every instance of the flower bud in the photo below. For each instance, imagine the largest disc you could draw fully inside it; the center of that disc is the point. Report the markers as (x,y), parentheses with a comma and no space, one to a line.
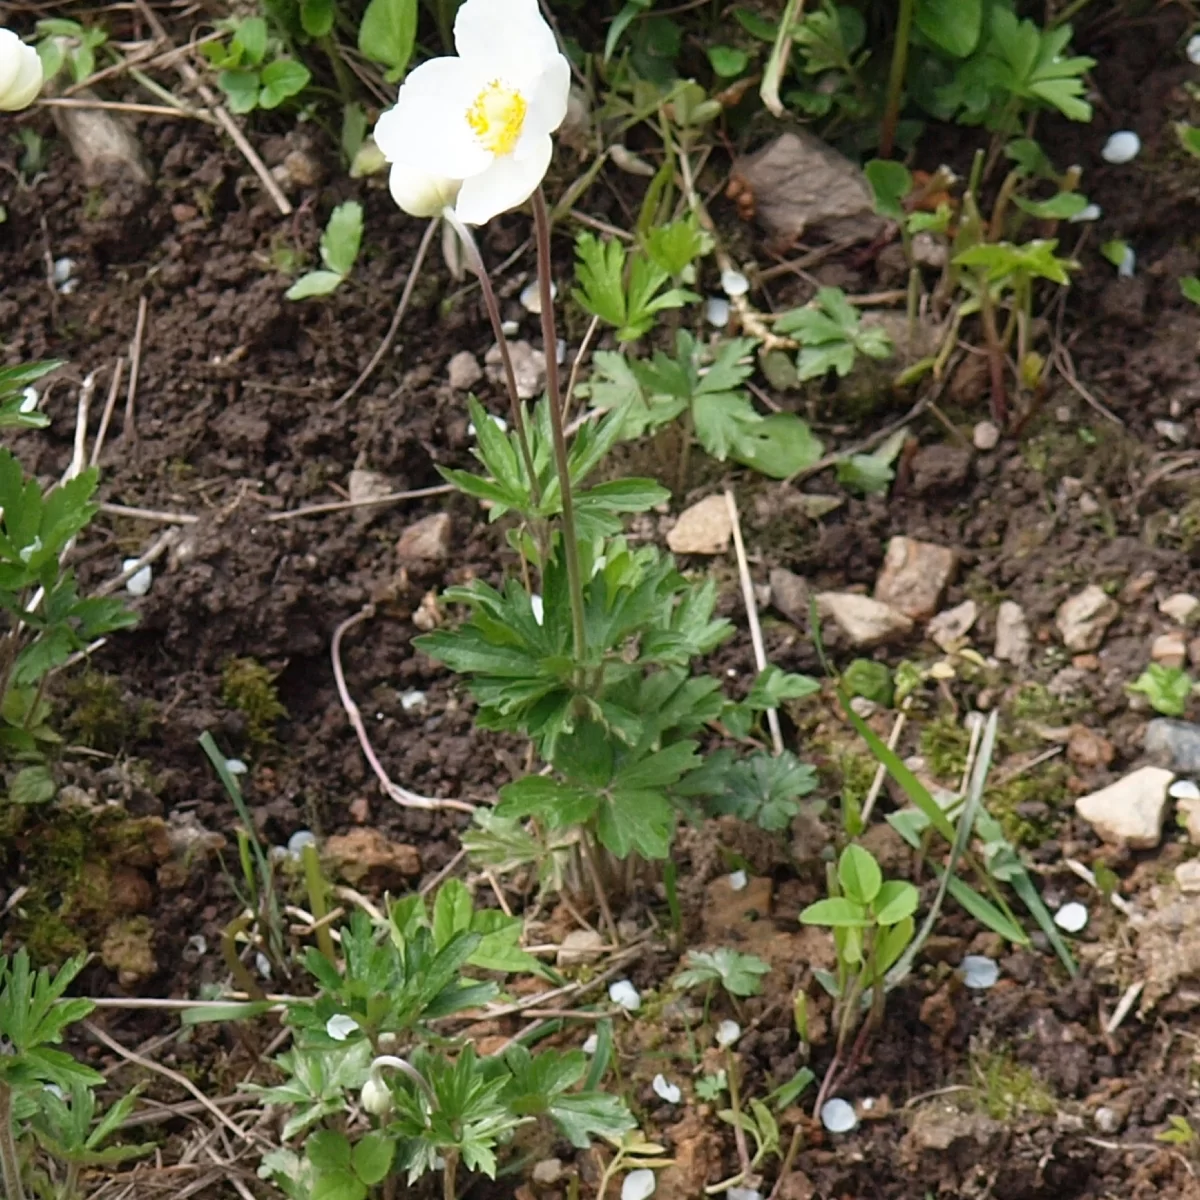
(376,1097)
(20,73)
(421,194)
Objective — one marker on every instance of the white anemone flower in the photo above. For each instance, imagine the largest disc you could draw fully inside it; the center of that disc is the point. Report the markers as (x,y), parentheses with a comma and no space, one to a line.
(20,73)
(484,117)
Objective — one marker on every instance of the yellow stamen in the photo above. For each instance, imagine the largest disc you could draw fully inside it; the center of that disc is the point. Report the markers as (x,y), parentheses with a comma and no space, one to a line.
(497,117)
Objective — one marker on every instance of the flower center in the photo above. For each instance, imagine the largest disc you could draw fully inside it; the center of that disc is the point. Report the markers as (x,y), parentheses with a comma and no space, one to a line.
(496,117)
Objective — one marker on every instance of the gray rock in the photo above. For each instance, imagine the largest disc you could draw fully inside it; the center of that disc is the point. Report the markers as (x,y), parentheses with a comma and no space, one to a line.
(463,371)
(1169,649)
(704,528)
(1084,619)
(1012,634)
(529,368)
(802,186)
(985,436)
(1174,744)
(425,541)
(950,628)
(913,577)
(790,595)
(1129,812)
(1180,607)
(865,621)
(578,947)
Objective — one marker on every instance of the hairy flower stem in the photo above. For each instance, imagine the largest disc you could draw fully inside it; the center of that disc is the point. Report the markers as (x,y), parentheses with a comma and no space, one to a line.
(476,263)
(895,88)
(10,1166)
(541,222)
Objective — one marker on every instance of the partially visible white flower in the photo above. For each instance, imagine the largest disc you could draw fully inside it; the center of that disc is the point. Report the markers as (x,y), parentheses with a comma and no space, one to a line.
(1089,212)
(838,1116)
(419,193)
(340,1026)
(1121,147)
(665,1090)
(20,73)
(1072,917)
(484,117)
(625,994)
(1193,49)
(979,972)
(734,283)
(500,422)
(376,1096)
(728,1032)
(638,1184)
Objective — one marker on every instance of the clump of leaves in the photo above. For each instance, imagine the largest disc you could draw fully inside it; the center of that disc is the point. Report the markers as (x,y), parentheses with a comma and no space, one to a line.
(739,974)
(1167,688)
(832,335)
(250,71)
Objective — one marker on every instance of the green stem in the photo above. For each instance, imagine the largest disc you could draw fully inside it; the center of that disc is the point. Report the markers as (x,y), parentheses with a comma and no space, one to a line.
(541,222)
(10,1164)
(314,883)
(450,1175)
(895,91)
(476,263)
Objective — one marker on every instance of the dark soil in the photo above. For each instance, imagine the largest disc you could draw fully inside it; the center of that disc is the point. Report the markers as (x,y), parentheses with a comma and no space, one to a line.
(236,422)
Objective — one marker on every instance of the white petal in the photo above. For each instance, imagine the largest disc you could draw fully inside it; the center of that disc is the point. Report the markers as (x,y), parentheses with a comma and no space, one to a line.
(10,60)
(507,183)
(20,72)
(625,994)
(728,1032)
(1193,49)
(1128,264)
(1071,917)
(427,127)
(29,400)
(539,608)
(667,1091)
(837,1116)
(979,972)
(738,881)
(340,1026)
(420,194)
(235,766)
(501,31)
(1090,212)
(638,1184)
(547,96)
(716,311)
(1121,147)
(591,1042)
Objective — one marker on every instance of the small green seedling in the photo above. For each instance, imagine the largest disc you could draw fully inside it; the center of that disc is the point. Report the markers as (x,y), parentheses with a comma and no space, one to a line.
(250,72)
(1179,1132)
(739,974)
(62,42)
(832,335)
(339,249)
(1167,688)
(872,923)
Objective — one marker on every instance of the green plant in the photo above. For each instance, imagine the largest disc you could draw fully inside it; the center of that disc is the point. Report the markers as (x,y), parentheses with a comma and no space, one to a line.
(831,335)
(251,71)
(706,387)
(339,249)
(249,687)
(61,41)
(739,974)
(1167,688)
(1179,1132)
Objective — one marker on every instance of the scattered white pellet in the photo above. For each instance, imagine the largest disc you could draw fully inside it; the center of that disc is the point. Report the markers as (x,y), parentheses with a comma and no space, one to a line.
(738,881)
(638,1185)
(716,311)
(138,584)
(1071,917)
(590,1044)
(510,328)
(340,1026)
(531,297)
(979,972)
(666,1090)
(235,766)
(838,1116)
(63,270)
(734,283)
(625,994)
(1193,49)
(262,964)
(1121,147)
(412,699)
(300,839)
(728,1032)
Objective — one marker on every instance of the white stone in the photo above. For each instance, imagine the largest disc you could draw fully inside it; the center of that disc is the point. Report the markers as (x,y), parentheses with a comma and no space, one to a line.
(1122,147)
(579,946)
(985,436)
(412,700)
(913,576)
(665,1090)
(547,1172)
(624,994)
(737,881)
(138,584)
(463,371)
(704,528)
(1187,876)
(838,1116)
(1169,649)
(529,368)
(298,840)
(1013,640)
(865,621)
(1072,917)
(1180,607)
(235,766)
(590,1044)
(716,311)
(734,283)
(531,297)
(1130,811)
(1084,618)
(949,628)
(638,1185)
(979,972)
(728,1033)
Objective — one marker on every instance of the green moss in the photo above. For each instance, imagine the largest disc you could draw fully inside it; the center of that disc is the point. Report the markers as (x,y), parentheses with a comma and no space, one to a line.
(1033,702)
(1046,785)
(1006,1089)
(96,712)
(944,745)
(249,687)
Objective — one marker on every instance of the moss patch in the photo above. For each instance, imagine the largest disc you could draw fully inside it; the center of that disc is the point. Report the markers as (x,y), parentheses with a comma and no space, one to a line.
(249,687)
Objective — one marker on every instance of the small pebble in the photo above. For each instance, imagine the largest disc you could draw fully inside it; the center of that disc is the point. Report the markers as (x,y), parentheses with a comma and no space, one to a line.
(638,1184)
(1184,789)
(262,964)
(837,1116)
(1122,147)
(734,283)
(548,1172)
(510,328)
(1173,431)
(1071,917)
(235,766)
(138,584)
(986,436)
(728,1032)
(743,1193)
(63,268)
(979,972)
(531,297)
(1193,49)
(738,881)
(340,1026)
(412,699)
(300,839)
(1107,1120)
(665,1090)
(716,311)
(623,993)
